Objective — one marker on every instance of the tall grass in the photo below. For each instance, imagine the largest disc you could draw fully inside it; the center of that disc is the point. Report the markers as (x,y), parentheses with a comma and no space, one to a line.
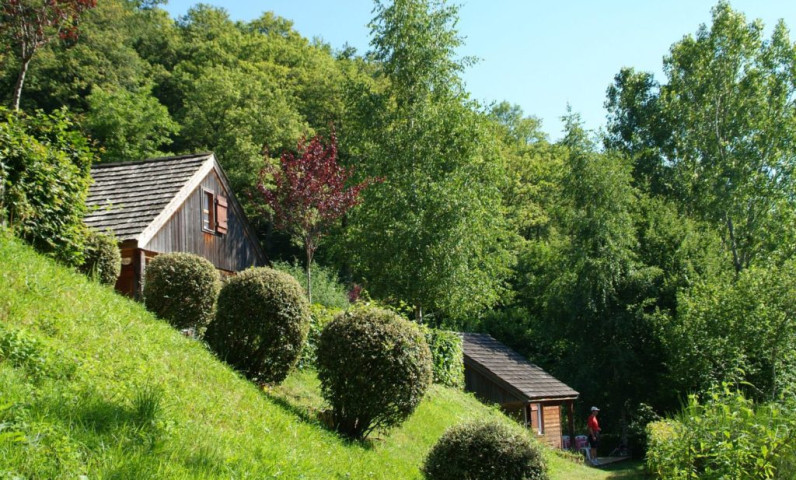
(327,290)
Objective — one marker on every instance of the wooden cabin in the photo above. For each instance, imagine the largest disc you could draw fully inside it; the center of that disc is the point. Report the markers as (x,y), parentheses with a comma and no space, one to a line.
(171,204)
(498,374)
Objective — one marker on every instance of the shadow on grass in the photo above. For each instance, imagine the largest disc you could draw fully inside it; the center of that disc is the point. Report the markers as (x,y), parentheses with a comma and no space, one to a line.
(305,414)
(627,470)
(318,418)
(101,416)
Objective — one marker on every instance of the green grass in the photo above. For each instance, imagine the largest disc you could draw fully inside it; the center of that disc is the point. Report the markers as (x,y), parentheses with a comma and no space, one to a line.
(91,384)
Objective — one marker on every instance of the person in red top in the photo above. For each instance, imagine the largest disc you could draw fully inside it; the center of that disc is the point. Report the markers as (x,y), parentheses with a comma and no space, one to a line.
(593,428)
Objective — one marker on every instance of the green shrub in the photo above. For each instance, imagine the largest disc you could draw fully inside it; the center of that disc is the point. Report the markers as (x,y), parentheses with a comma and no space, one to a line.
(102,259)
(181,288)
(261,324)
(374,368)
(22,351)
(447,356)
(45,169)
(320,316)
(485,451)
(326,287)
(726,436)
(38,360)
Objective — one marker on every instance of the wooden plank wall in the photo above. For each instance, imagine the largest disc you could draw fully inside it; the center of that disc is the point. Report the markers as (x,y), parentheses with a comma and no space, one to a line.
(551,416)
(485,389)
(232,251)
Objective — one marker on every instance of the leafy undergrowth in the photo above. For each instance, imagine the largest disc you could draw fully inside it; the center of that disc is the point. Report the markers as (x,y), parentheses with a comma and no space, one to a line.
(91,384)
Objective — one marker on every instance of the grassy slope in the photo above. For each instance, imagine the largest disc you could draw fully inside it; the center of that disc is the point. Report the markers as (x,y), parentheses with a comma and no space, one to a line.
(97,386)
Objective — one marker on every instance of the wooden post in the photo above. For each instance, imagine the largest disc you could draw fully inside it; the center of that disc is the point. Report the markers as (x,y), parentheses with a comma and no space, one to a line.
(139,264)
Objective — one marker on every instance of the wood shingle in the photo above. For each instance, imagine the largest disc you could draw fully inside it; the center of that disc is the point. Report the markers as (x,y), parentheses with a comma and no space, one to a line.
(506,367)
(127,197)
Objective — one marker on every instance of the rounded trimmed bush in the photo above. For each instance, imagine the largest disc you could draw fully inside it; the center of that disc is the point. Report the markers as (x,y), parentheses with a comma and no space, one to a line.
(102,259)
(374,368)
(181,288)
(485,451)
(261,324)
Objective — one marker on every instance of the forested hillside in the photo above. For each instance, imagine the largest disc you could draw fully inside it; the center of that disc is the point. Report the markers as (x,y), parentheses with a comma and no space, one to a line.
(637,264)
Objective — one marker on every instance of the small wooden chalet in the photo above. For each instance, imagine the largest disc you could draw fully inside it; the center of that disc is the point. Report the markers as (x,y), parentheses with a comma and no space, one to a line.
(172,204)
(498,374)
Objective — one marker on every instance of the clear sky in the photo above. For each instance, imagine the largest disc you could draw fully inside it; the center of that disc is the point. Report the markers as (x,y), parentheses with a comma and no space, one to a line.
(540,55)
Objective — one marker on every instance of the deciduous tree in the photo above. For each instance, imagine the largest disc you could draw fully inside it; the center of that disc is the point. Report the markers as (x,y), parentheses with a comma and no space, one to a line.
(433,234)
(307,191)
(719,137)
(32,24)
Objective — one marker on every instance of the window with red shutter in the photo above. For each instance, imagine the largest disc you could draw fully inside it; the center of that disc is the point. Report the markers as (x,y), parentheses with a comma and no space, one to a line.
(221,215)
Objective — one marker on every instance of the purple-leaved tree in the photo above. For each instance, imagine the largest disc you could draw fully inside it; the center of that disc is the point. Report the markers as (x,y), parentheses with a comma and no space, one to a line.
(307,191)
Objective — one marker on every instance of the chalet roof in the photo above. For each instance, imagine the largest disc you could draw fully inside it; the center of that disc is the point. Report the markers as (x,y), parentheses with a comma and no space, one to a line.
(127,197)
(511,370)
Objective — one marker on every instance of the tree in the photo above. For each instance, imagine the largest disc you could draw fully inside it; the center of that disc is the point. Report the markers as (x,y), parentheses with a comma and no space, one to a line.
(433,233)
(719,137)
(738,330)
(45,167)
(35,23)
(308,193)
(129,125)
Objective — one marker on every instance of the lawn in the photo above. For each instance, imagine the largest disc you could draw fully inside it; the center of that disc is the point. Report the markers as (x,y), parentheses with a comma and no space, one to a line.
(92,384)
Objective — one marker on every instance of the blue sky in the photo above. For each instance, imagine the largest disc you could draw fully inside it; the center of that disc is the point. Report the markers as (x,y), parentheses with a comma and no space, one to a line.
(541,55)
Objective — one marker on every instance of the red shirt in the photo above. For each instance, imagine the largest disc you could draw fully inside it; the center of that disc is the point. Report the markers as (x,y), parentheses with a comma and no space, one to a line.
(594,427)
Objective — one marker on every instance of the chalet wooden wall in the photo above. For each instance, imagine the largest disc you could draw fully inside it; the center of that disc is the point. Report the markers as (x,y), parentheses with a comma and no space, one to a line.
(486,389)
(551,416)
(183,233)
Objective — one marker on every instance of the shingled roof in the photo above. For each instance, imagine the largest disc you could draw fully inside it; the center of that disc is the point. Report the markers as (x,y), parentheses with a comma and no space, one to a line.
(127,197)
(511,370)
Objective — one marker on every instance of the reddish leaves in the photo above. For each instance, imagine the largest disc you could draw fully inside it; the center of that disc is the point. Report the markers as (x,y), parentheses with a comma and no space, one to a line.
(309,190)
(33,23)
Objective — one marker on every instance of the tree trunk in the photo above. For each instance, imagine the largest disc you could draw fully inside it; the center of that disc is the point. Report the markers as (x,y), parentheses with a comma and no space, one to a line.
(20,81)
(309,274)
(419,314)
(733,245)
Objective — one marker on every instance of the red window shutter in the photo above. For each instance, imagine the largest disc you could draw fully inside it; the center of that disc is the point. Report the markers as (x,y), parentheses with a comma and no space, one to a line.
(221,215)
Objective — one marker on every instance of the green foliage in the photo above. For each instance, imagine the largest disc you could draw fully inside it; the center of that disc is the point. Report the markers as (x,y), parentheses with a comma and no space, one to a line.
(46,164)
(128,125)
(737,330)
(102,259)
(590,302)
(433,233)
(22,351)
(261,324)
(374,368)
(485,451)
(724,436)
(64,72)
(181,288)
(239,86)
(718,136)
(447,356)
(320,316)
(326,287)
